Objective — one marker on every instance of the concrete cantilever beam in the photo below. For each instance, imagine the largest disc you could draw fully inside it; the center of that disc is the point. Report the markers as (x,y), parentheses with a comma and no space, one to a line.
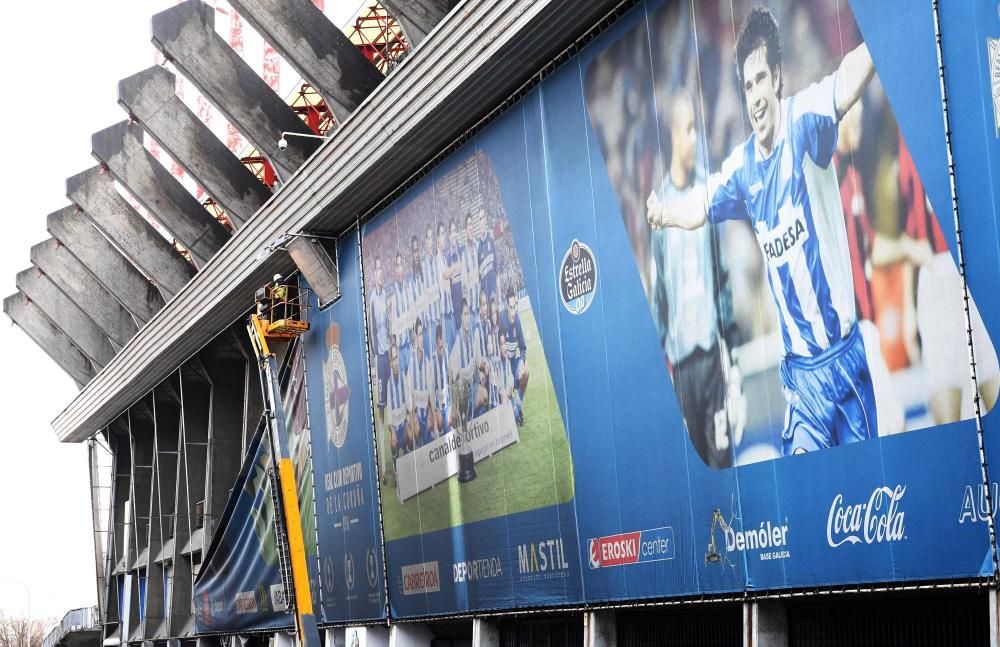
(120,148)
(418,17)
(71,227)
(47,335)
(95,193)
(83,289)
(150,98)
(186,35)
(314,46)
(66,315)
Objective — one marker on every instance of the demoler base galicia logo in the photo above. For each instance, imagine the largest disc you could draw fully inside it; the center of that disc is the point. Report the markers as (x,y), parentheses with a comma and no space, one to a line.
(578,278)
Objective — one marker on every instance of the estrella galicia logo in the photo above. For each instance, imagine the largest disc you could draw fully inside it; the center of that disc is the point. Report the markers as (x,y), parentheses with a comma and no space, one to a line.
(337,393)
(578,278)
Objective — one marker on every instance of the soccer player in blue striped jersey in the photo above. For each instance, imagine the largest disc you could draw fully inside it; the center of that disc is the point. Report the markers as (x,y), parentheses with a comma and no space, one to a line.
(446,273)
(417,285)
(470,263)
(441,396)
(487,252)
(421,383)
(378,315)
(432,288)
(513,345)
(482,328)
(462,365)
(398,416)
(782,180)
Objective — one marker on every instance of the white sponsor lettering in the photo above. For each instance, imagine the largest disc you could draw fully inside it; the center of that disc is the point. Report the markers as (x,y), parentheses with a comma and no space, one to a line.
(477,569)
(879,520)
(767,535)
(542,560)
(976,501)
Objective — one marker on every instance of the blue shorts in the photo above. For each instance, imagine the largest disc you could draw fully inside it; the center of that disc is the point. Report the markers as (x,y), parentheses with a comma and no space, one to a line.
(444,410)
(448,324)
(515,366)
(399,431)
(831,400)
(423,426)
(382,376)
(404,356)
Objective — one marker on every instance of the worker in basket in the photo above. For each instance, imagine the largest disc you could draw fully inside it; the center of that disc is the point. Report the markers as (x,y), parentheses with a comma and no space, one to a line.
(282,300)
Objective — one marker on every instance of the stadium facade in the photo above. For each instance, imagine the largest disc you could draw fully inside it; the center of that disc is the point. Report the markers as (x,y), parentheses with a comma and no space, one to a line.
(629,323)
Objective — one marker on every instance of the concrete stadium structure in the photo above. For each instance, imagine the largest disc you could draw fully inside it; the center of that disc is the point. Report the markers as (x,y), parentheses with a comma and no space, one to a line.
(155,336)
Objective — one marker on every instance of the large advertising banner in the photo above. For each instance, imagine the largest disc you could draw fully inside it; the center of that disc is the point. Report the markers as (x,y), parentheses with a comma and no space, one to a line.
(239,586)
(778,171)
(970,43)
(687,319)
(477,481)
(347,516)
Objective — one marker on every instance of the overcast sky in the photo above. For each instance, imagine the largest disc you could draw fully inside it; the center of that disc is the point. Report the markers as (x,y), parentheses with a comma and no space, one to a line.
(62,60)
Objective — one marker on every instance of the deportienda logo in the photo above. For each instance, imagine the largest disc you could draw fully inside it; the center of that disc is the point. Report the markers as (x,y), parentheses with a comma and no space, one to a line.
(421,578)
(474,570)
(246,602)
(653,545)
(876,521)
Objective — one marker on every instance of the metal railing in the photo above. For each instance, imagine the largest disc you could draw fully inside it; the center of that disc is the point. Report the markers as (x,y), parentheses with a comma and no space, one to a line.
(83,619)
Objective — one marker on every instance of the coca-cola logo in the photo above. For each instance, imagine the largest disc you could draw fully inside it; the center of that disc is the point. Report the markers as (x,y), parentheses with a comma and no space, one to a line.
(879,520)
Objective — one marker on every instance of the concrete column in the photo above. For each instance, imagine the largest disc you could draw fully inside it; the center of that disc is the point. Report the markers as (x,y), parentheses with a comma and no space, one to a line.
(410,635)
(225,432)
(43,332)
(765,624)
(66,315)
(81,287)
(318,49)
(281,639)
(150,98)
(994,612)
(71,227)
(418,17)
(365,637)
(485,633)
(186,35)
(95,193)
(120,148)
(600,629)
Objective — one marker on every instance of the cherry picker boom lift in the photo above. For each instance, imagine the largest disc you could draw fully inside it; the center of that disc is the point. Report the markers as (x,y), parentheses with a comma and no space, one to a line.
(284,321)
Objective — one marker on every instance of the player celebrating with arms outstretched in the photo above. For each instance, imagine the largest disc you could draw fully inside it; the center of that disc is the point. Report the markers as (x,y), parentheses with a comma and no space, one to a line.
(782,180)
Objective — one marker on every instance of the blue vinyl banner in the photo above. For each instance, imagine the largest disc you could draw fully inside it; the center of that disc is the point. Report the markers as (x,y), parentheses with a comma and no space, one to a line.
(347,519)
(970,42)
(239,586)
(687,319)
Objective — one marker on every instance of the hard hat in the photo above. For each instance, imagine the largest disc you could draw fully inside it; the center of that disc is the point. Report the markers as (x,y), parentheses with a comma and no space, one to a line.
(277,277)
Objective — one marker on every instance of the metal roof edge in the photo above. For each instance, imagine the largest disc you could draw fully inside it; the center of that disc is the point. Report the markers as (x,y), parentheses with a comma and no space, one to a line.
(452,79)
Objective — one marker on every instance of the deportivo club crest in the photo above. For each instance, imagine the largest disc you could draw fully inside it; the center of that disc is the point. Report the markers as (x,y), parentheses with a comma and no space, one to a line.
(337,393)
(578,278)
